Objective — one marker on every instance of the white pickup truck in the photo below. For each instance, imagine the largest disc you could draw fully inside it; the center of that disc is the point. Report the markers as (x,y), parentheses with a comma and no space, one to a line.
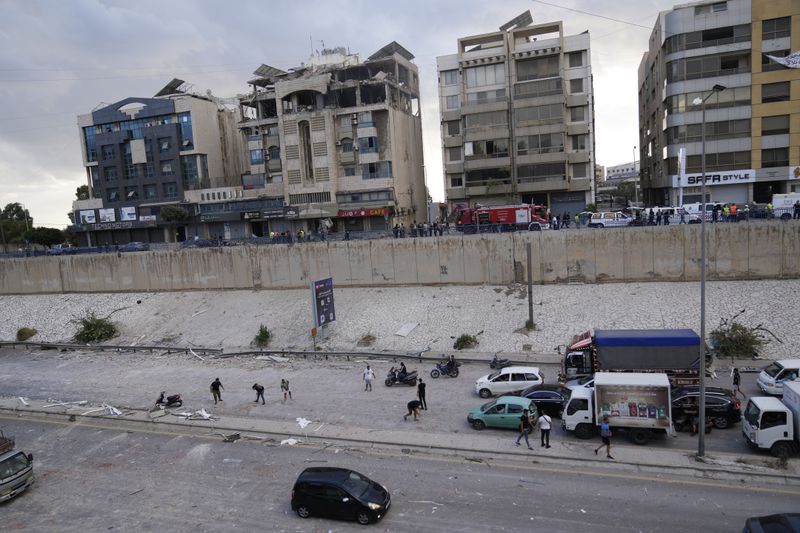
(772,424)
(16,469)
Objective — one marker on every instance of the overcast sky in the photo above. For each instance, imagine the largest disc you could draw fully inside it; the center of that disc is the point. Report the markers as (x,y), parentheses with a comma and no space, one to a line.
(62,58)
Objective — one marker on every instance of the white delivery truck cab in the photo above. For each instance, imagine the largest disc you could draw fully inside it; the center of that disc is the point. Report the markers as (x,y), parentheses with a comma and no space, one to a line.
(636,403)
(772,424)
(772,378)
(16,469)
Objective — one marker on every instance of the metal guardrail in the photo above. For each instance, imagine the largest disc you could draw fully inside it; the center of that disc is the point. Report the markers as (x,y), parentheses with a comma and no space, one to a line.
(110,347)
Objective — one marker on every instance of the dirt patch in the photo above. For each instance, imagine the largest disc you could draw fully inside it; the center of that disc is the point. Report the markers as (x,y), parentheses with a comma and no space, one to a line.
(366,340)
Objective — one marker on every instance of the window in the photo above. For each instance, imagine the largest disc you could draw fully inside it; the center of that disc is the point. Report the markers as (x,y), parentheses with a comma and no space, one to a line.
(773,419)
(191,176)
(775,157)
(163,144)
(776,125)
(187,139)
(451,102)
(150,191)
(89,138)
(513,409)
(768,65)
(580,170)
(457,180)
(380,169)
(775,92)
(368,144)
(543,112)
(170,190)
(776,28)
(708,66)
(577,405)
(540,67)
(131,194)
(577,114)
(726,129)
(541,172)
(347,145)
(491,118)
(575,59)
(454,153)
(486,176)
(730,97)
(110,173)
(532,89)
(707,9)
(579,142)
(714,162)
(108,151)
(486,97)
(484,149)
(453,127)
(275,153)
(149,170)
(365,119)
(544,143)
(450,77)
(112,195)
(485,75)
(349,170)
(253,181)
(167,168)
(576,86)
(256,157)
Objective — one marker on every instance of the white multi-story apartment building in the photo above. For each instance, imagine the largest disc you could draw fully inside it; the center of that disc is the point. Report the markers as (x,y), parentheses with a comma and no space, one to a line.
(517,118)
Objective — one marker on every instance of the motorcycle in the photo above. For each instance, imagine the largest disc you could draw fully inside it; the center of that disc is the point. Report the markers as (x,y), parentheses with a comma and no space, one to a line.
(445,369)
(394,376)
(170,401)
(499,363)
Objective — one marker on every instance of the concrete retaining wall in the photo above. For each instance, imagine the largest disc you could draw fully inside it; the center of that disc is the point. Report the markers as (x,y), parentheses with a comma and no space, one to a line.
(769,249)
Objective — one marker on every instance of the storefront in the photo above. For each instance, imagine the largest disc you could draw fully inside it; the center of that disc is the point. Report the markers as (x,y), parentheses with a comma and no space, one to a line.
(725,187)
(363,219)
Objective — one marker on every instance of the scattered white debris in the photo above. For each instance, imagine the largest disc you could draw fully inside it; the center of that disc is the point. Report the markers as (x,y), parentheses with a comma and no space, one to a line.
(108,409)
(405,329)
(302,422)
(583,511)
(68,405)
(21,399)
(426,501)
(200,312)
(273,358)
(289,442)
(194,354)
(319,427)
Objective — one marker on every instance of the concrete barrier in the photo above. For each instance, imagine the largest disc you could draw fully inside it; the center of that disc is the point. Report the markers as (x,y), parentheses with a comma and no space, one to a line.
(754,250)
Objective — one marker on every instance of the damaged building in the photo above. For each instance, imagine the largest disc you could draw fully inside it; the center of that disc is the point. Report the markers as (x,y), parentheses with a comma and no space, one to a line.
(337,142)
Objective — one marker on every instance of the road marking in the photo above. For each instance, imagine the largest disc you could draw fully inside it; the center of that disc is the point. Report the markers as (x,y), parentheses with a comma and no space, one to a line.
(453,460)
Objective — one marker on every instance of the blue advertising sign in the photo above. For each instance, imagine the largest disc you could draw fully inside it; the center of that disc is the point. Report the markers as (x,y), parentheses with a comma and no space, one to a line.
(322,301)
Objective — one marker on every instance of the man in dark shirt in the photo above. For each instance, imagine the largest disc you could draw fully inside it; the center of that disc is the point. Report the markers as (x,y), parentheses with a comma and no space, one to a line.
(259,393)
(421,394)
(413,408)
(216,387)
(524,428)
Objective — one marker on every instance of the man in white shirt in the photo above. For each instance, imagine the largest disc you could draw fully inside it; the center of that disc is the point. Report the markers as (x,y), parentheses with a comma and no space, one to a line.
(369,375)
(545,422)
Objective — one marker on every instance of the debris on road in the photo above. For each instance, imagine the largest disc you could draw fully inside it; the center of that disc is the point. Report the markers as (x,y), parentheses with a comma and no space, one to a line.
(289,442)
(109,409)
(22,400)
(202,414)
(233,437)
(68,405)
(194,354)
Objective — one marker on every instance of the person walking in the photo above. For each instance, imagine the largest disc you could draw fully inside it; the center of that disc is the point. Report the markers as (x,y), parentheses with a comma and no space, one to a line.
(658,218)
(736,381)
(651,218)
(524,428)
(259,393)
(683,216)
(545,423)
(605,435)
(369,375)
(216,388)
(796,213)
(413,408)
(286,390)
(421,394)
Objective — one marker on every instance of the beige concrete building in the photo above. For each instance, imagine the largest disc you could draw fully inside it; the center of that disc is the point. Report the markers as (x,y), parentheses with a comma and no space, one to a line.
(338,141)
(517,118)
(752,125)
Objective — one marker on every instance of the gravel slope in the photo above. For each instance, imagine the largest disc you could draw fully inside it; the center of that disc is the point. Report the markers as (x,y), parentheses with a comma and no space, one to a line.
(230,319)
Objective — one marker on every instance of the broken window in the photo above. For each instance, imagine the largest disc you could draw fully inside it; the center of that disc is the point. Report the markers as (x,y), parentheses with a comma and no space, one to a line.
(373,94)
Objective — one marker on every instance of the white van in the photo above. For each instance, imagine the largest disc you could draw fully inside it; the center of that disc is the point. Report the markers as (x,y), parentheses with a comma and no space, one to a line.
(771,379)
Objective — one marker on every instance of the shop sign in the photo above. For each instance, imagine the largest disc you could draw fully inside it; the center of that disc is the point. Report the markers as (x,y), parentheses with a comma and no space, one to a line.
(355,213)
(726,177)
(247,215)
(291,211)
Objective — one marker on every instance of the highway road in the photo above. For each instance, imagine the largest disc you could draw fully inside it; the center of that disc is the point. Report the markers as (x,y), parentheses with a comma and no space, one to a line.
(91,479)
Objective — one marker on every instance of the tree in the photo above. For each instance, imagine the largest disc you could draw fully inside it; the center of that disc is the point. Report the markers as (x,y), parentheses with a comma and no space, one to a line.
(82,192)
(15,211)
(627,190)
(14,221)
(45,236)
(173,214)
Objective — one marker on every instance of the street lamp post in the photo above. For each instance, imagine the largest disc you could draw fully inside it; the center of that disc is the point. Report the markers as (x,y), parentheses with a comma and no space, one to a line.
(636,179)
(701,426)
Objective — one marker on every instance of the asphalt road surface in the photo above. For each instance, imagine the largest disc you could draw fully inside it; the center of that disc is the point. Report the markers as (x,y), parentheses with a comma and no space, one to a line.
(91,479)
(329,391)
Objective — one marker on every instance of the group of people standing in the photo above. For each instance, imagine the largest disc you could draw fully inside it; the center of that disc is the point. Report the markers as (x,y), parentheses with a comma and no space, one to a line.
(414,406)
(528,423)
(216,390)
(421,229)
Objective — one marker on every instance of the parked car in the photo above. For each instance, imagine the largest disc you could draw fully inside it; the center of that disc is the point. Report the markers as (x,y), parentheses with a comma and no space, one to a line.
(582,382)
(61,249)
(199,243)
(502,412)
(609,219)
(722,407)
(548,398)
(508,379)
(134,247)
(339,493)
(774,523)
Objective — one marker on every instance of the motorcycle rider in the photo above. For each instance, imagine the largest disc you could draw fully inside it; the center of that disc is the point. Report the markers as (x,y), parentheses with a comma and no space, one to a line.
(402,372)
(451,363)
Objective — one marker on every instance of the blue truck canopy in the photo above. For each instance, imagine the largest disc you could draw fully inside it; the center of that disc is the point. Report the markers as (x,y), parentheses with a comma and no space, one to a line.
(646,337)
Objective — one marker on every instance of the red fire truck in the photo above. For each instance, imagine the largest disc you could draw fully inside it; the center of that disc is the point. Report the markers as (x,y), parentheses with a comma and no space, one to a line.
(499,218)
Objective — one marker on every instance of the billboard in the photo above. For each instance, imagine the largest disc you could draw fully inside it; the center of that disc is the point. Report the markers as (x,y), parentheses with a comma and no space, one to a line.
(107,215)
(86,216)
(127,214)
(322,301)
(634,406)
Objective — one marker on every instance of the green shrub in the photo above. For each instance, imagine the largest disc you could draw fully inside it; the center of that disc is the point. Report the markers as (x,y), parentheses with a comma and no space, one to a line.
(465,341)
(263,337)
(24,334)
(734,340)
(92,328)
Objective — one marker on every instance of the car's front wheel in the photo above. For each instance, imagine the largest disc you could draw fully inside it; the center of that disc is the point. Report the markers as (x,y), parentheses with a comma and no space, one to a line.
(303,511)
(479,425)
(485,393)
(363,518)
(721,422)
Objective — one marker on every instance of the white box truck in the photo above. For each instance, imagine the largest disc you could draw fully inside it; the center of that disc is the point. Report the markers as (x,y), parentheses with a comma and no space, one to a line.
(772,424)
(636,403)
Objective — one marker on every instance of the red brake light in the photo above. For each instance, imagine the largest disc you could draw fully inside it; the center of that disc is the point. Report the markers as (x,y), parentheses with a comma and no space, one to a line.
(737,404)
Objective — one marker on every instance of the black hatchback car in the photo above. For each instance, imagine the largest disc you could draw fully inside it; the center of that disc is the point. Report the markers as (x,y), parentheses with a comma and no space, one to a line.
(722,407)
(339,493)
